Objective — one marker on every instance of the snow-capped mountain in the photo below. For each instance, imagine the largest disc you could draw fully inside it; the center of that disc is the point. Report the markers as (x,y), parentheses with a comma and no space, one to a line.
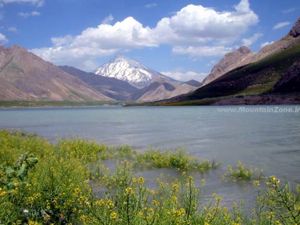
(128,70)
(151,85)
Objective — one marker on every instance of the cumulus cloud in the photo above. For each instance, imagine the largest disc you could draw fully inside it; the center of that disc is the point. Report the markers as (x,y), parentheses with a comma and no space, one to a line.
(96,42)
(281,25)
(3,39)
(108,20)
(33,2)
(197,24)
(194,30)
(29,14)
(185,75)
(251,40)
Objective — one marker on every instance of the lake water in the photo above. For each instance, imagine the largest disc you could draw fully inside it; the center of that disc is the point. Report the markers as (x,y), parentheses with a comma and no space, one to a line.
(264,137)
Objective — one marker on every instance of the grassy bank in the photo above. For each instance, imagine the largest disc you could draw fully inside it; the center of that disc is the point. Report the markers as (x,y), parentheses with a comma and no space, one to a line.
(44,183)
(8,104)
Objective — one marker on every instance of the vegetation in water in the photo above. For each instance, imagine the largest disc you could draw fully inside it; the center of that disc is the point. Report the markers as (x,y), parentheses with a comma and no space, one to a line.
(243,173)
(43,183)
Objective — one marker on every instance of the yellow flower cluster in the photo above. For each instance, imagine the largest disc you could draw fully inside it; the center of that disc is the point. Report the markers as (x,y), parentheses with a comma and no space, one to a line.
(113,215)
(175,187)
(33,223)
(2,192)
(129,191)
(155,203)
(104,202)
(177,212)
(139,180)
(274,181)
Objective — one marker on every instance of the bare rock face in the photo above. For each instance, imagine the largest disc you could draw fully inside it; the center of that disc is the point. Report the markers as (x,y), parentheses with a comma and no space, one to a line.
(25,76)
(295,31)
(232,60)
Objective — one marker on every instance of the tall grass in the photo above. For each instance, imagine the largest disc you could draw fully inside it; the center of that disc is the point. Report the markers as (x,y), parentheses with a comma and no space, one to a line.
(43,183)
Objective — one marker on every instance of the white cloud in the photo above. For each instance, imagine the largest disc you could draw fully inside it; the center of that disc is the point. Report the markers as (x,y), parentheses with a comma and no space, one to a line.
(151,5)
(185,75)
(197,24)
(281,25)
(33,2)
(97,42)
(266,43)
(251,40)
(29,14)
(201,51)
(3,39)
(12,29)
(190,31)
(108,20)
(290,10)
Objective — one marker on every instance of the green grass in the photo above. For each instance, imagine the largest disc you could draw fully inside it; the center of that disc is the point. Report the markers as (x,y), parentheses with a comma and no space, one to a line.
(243,173)
(179,160)
(45,183)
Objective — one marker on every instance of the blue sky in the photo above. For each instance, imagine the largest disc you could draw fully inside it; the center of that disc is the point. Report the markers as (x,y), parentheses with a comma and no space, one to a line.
(181,38)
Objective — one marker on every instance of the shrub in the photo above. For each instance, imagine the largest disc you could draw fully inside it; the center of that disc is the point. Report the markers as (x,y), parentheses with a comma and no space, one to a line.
(53,187)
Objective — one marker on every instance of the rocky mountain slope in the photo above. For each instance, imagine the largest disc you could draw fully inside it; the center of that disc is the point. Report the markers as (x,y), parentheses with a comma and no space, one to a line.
(162,90)
(273,78)
(232,60)
(244,56)
(25,76)
(194,83)
(151,85)
(130,71)
(114,88)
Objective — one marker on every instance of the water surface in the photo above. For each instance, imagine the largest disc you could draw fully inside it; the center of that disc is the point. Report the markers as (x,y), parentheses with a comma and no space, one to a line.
(264,137)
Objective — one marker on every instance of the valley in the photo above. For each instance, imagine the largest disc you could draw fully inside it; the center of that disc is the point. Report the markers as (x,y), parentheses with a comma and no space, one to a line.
(270,76)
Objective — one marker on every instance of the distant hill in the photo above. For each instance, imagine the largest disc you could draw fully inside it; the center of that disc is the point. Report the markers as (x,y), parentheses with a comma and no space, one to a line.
(271,78)
(232,60)
(26,77)
(151,85)
(194,83)
(162,90)
(114,88)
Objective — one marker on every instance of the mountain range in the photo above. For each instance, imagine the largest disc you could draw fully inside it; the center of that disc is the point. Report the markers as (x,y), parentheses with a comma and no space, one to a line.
(125,79)
(241,77)
(26,77)
(271,76)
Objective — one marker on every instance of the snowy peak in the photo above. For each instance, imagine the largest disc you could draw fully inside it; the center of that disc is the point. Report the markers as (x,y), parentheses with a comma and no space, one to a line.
(127,70)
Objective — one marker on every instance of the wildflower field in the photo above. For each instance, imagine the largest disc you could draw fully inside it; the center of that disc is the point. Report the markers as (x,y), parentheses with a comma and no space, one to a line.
(45,183)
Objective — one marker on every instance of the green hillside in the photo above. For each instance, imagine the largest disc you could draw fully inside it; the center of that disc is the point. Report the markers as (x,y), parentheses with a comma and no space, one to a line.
(255,79)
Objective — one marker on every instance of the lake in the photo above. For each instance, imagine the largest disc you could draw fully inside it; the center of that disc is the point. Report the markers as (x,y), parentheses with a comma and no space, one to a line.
(266,137)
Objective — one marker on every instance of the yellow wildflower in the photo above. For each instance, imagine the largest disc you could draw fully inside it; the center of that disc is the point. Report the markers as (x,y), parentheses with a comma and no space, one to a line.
(33,223)
(141,180)
(129,191)
(175,187)
(155,203)
(113,215)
